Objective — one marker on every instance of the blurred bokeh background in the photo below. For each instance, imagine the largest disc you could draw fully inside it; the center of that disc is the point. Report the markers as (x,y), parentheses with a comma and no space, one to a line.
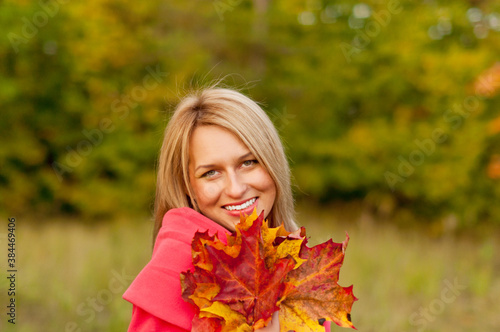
(389,111)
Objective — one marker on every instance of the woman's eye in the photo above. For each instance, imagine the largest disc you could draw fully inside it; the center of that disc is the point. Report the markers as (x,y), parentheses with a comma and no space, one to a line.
(248,163)
(208,174)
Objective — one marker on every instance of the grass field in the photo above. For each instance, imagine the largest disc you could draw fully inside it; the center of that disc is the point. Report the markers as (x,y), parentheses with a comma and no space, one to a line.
(71,276)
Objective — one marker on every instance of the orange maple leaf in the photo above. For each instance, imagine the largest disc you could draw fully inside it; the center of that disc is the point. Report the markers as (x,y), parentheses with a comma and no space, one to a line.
(316,296)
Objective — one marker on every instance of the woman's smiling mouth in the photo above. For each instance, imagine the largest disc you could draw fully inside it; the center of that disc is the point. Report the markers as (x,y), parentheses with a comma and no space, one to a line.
(239,207)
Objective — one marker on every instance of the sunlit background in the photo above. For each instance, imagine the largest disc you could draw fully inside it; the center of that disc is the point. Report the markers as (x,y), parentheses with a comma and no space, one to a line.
(389,111)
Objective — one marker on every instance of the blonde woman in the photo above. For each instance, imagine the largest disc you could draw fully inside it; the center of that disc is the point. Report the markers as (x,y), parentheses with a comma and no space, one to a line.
(221,156)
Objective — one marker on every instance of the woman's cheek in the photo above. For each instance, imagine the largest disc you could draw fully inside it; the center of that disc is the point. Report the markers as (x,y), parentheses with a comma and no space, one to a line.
(266,182)
(209,192)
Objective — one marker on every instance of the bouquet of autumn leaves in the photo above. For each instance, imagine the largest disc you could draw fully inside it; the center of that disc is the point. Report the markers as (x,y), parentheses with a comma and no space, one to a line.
(239,285)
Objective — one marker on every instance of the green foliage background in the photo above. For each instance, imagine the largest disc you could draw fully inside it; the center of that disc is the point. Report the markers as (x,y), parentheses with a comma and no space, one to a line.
(82,115)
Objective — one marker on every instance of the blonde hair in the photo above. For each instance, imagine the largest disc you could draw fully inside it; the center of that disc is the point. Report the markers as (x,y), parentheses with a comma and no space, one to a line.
(241,116)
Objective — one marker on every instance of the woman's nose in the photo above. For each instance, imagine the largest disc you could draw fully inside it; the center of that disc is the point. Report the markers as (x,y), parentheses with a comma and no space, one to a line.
(235,185)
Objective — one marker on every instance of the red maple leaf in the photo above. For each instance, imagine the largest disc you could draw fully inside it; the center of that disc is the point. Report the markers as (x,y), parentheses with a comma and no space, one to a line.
(240,285)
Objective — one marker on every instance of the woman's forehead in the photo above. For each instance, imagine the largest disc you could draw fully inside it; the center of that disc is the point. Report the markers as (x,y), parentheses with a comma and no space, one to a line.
(209,144)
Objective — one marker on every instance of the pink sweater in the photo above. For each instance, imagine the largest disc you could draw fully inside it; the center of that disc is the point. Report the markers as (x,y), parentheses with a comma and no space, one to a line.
(156,292)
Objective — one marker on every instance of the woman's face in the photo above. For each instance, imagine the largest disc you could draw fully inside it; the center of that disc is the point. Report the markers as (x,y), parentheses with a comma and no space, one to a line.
(226,178)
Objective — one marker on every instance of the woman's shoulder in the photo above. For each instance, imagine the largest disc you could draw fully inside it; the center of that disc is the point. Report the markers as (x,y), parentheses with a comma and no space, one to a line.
(182,224)
(188,216)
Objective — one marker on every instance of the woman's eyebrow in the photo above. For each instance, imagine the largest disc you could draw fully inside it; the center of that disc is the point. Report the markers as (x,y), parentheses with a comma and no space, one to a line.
(246,155)
(205,166)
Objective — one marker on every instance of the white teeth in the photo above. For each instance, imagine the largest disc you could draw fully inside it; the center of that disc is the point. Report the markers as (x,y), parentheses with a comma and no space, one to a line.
(241,206)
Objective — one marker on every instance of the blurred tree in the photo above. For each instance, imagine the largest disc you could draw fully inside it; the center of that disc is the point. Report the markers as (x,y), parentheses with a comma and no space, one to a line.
(380,101)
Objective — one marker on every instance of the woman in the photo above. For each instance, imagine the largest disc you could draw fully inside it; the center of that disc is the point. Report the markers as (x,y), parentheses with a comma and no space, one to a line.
(221,156)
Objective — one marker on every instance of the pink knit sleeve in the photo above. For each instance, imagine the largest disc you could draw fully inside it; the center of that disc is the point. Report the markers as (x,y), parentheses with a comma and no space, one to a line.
(156,291)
